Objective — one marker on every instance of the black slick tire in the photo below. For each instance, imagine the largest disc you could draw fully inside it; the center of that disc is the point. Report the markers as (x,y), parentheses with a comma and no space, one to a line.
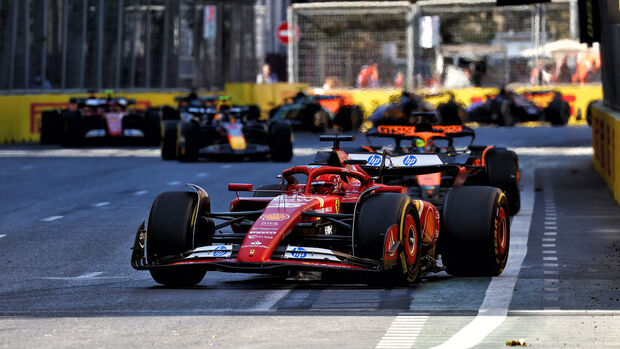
(152,127)
(474,239)
(502,169)
(169,139)
(188,142)
(50,127)
(374,238)
(281,142)
(170,232)
(72,130)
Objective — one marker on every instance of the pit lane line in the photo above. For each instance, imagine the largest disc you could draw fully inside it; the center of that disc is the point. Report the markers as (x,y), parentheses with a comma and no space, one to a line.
(494,307)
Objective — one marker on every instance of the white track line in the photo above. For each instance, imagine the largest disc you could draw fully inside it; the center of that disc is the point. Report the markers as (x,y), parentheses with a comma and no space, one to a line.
(2,236)
(51,218)
(270,300)
(494,307)
(141,192)
(101,204)
(403,331)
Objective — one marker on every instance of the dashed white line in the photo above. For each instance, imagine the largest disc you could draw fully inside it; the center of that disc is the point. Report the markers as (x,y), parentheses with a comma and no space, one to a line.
(174,183)
(403,331)
(549,252)
(551,289)
(550,272)
(51,218)
(141,192)
(27,167)
(2,236)
(201,174)
(550,258)
(548,245)
(550,265)
(550,281)
(227,166)
(550,298)
(551,233)
(548,239)
(101,204)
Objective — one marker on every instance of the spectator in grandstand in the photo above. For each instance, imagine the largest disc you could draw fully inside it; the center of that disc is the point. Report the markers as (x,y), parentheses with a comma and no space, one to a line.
(563,72)
(266,76)
(399,79)
(331,82)
(456,77)
(368,76)
(539,76)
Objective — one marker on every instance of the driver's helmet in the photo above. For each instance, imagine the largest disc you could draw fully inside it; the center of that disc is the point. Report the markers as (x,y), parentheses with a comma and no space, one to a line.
(326,184)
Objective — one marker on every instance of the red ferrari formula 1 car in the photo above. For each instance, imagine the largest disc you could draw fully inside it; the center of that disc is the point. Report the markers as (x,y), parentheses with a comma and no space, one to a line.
(479,164)
(326,218)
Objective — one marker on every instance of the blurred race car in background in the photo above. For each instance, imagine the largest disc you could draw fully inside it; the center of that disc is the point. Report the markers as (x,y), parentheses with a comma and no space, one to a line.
(474,164)
(99,118)
(213,127)
(318,113)
(410,109)
(331,219)
(508,108)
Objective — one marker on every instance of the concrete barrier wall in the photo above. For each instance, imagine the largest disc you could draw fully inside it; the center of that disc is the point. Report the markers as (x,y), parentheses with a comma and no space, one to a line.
(20,115)
(606,146)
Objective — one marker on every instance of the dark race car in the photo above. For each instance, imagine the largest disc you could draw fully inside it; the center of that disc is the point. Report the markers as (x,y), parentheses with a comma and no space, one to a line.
(326,218)
(108,118)
(319,113)
(508,108)
(477,164)
(212,127)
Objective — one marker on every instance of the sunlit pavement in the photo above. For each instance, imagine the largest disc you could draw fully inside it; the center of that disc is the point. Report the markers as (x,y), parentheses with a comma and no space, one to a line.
(68,218)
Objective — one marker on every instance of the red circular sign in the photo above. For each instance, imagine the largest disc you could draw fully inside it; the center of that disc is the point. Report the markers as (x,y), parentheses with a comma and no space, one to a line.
(286,35)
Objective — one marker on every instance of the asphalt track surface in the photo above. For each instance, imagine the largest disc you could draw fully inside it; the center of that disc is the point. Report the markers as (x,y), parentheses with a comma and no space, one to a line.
(68,219)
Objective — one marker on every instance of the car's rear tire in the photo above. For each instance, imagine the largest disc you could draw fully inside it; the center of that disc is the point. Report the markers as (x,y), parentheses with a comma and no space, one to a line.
(72,130)
(188,142)
(50,127)
(170,232)
(152,127)
(502,169)
(169,139)
(374,237)
(281,142)
(475,231)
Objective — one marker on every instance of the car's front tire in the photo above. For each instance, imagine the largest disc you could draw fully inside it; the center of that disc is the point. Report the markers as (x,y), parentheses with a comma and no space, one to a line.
(384,219)
(170,232)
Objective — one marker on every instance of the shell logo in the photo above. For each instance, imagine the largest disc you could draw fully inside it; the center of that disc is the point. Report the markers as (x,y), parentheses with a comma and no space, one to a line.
(275,216)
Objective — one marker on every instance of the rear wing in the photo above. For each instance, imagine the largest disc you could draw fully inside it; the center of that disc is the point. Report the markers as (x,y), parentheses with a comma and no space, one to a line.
(410,164)
(94,102)
(410,131)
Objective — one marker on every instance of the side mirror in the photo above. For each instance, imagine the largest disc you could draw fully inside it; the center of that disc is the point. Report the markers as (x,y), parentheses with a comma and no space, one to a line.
(239,187)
